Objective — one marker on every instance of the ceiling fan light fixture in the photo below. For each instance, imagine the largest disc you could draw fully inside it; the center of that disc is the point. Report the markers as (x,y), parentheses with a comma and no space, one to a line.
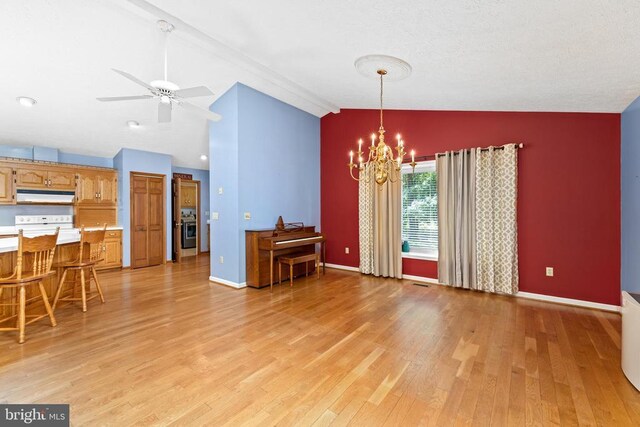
(25,101)
(133,124)
(165,99)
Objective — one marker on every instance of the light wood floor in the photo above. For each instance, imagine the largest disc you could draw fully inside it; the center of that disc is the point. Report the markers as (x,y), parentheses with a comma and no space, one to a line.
(168,346)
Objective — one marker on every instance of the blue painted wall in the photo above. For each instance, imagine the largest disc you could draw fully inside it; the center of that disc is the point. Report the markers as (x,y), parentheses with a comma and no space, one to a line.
(17,152)
(268,163)
(79,159)
(126,161)
(223,173)
(53,155)
(202,176)
(630,183)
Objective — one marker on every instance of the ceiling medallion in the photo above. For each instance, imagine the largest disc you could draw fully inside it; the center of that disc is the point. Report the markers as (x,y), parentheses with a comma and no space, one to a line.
(385,165)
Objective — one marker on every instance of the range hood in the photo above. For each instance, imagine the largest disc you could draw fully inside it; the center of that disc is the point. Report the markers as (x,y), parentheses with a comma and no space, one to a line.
(50,197)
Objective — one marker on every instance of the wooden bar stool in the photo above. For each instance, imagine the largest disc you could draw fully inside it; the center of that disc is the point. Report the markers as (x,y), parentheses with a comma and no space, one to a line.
(90,252)
(33,264)
(291,261)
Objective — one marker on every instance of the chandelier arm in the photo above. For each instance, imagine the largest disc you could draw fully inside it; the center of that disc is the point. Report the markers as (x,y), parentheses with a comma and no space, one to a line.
(351,172)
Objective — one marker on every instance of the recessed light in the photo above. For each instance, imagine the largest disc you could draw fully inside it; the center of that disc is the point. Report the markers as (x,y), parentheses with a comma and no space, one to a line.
(133,124)
(203,157)
(25,101)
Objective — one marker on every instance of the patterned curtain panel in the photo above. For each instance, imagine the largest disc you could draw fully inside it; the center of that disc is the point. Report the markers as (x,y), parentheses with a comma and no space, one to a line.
(365,210)
(457,219)
(496,223)
(380,226)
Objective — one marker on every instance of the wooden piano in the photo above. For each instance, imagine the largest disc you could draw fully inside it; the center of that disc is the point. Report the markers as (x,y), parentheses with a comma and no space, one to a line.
(263,247)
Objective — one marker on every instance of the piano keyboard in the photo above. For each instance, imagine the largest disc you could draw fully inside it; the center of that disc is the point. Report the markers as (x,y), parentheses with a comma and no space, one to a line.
(285,242)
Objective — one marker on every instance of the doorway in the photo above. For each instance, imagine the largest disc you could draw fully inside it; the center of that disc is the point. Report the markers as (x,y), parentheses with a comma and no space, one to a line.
(148,213)
(185,218)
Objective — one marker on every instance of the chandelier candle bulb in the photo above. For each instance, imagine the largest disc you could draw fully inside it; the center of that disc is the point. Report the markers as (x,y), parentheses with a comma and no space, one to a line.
(351,154)
(413,156)
(360,145)
(373,139)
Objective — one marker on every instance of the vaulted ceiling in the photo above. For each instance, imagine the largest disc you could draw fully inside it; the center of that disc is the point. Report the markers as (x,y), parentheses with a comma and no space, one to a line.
(547,55)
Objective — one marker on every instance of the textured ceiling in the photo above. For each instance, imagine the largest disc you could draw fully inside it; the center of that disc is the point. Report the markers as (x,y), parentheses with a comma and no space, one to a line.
(547,55)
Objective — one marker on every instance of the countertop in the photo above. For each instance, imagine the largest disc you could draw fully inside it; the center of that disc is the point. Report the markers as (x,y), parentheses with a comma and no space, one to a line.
(69,235)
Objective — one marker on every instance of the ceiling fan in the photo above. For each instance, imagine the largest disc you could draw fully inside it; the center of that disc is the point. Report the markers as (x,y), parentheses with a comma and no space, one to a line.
(167,92)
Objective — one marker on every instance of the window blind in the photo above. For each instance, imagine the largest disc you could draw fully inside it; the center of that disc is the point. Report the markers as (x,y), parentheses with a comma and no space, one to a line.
(420,209)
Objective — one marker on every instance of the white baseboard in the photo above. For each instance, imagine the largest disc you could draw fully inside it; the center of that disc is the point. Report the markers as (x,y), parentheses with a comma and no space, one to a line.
(420,279)
(343,267)
(228,282)
(569,301)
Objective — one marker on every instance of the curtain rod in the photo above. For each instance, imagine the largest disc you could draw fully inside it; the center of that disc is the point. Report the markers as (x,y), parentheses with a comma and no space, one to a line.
(434,156)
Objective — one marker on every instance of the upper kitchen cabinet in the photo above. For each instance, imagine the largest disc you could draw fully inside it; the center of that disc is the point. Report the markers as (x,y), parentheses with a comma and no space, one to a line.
(97,187)
(45,177)
(7,189)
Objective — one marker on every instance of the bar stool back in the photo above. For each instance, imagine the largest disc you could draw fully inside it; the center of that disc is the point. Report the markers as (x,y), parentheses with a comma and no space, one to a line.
(90,252)
(34,259)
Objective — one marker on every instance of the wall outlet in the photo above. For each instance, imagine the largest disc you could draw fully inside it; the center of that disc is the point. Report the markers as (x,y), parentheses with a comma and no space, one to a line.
(215,216)
(549,271)
(346,250)
(220,190)
(247,216)
(221,259)
(206,213)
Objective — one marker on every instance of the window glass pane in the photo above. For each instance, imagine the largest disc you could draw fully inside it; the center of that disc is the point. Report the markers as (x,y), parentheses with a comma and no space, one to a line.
(420,211)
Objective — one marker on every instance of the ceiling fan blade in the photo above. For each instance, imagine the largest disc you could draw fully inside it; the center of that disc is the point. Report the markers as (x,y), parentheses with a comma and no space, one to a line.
(164,112)
(192,92)
(209,115)
(123,98)
(134,79)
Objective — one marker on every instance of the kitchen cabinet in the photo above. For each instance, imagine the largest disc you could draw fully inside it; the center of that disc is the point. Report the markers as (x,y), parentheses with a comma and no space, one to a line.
(7,189)
(97,187)
(112,257)
(189,196)
(32,178)
(44,177)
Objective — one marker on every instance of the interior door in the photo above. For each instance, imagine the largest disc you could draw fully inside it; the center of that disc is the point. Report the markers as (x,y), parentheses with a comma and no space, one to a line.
(139,221)
(177,220)
(156,221)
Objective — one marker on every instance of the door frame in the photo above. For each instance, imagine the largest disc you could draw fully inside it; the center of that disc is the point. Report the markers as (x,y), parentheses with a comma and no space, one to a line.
(177,201)
(164,212)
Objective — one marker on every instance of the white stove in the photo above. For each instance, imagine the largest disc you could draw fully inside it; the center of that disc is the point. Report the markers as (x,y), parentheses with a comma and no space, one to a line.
(43,222)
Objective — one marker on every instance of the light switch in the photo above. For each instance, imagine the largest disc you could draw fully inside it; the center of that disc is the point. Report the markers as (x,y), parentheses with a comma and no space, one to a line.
(549,271)
(214,216)
(221,259)
(219,190)
(247,216)
(346,250)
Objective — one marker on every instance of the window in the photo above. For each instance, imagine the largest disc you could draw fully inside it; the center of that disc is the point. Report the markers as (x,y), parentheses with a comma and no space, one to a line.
(420,210)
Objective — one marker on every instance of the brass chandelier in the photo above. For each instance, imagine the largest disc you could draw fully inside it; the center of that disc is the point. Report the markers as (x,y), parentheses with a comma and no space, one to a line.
(386,165)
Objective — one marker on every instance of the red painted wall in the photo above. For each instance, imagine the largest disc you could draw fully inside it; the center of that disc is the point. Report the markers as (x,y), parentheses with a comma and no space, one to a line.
(568,189)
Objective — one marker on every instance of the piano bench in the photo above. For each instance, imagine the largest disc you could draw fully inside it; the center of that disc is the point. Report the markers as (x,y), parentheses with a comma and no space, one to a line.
(291,261)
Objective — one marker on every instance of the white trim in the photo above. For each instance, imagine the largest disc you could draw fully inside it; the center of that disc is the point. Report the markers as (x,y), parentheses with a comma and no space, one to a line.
(418,255)
(228,282)
(420,279)
(343,267)
(569,301)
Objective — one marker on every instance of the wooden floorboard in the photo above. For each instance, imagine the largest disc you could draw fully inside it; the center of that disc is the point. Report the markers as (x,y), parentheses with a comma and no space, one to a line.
(169,347)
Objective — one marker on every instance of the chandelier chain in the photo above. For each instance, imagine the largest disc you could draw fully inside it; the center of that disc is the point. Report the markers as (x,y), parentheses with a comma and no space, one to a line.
(381,93)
